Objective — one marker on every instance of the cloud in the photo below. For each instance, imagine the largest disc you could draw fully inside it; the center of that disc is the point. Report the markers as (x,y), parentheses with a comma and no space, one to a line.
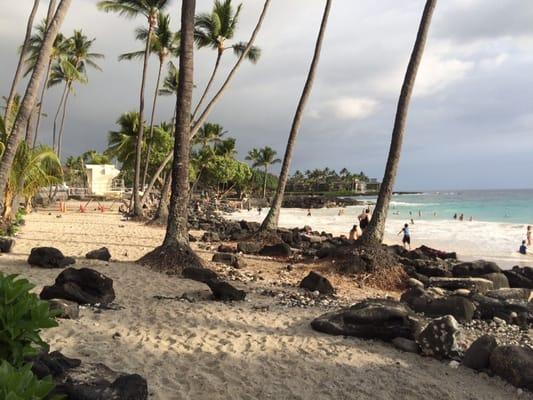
(352,107)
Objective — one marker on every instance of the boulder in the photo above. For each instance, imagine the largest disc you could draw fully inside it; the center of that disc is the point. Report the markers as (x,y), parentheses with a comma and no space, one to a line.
(225,292)
(84,286)
(519,294)
(478,354)
(439,339)
(514,364)
(475,284)
(65,309)
(512,312)
(48,257)
(249,247)
(102,254)
(432,270)
(520,277)
(192,239)
(210,237)
(498,279)
(431,305)
(407,345)
(249,226)
(384,319)
(315,281)
(428,251)
(229,259)
(203,275)
(224,248)
(52,364)
(475,268)
(6,244)
(276,250)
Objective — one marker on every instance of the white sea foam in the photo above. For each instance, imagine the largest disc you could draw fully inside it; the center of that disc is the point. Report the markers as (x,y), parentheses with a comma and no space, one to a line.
(494,241)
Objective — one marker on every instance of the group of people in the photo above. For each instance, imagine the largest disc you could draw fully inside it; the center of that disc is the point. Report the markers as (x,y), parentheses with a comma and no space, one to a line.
(526,243)
(364,220)
(461,217)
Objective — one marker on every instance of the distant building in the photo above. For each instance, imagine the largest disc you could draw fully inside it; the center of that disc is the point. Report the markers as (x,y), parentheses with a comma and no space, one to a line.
(373,185)
(102,180)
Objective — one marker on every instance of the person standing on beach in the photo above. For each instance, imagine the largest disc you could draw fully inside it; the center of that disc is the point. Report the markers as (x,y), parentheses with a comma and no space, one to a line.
(406,240)
(364,219)
(308,212)
(529,234)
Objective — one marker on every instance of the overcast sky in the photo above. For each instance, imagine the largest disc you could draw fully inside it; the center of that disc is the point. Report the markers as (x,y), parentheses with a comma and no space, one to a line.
(470,123)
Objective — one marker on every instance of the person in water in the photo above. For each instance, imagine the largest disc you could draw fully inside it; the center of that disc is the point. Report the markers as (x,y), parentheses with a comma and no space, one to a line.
(523,248)
(461,217)
(529,235)
(364,219)
(354,233)
(406,240)
(455,216)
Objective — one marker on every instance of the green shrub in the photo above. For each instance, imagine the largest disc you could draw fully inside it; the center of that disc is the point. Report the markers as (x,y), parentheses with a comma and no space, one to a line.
(22,316)
(21,384)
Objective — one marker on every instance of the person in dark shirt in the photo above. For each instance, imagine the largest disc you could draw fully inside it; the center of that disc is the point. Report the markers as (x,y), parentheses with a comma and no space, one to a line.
(523,248)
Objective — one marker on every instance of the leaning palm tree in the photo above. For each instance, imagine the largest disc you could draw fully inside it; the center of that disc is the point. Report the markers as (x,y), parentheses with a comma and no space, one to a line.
(164,43)
(374,232)
(29,99)
(266,158)
(23,50)
(272,218)
(175,253)
(149,9)
(213,30)
(59,51)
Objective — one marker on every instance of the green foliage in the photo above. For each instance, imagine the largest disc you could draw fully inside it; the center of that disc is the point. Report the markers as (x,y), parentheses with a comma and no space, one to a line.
(22,317)
(21,384)
(227,171)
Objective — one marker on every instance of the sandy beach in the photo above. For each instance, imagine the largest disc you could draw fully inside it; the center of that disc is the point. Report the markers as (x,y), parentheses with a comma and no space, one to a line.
(256,349)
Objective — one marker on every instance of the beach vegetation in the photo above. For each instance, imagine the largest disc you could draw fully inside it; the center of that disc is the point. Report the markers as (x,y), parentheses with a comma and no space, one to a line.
(21,384)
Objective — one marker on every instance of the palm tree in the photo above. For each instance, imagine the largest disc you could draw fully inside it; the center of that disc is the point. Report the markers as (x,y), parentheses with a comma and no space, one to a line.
(149,9)
(122,142)
(209,134)
(226,148)
(29,99)
(164,43)
(212,30)
(70,70)
(265,158)
(374,233)
(23,50)
(272,218)
(175,252)
(59,51)
(253,156)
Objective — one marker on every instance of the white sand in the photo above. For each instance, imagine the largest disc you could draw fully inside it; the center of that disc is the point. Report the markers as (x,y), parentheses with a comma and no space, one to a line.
(210,350)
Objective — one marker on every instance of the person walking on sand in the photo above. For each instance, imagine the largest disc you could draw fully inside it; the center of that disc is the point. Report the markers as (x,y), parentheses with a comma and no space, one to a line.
(529,235)
(308,212)
(523,248)
(364,219)
(354,233)
(406,240)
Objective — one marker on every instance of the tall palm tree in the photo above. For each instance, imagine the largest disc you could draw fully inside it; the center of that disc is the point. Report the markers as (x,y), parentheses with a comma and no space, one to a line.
(122,142)
(213,30)
(210,133)
(253,156)
(266,158)
(164,43)
(149,9)
(59,51)
(374,232)
(272,218)
(226,148)
(29,99)
(23,50)
(175,252)
(73,69)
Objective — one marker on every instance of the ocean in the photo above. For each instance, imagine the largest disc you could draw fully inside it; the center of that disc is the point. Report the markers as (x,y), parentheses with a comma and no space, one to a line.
(499,222)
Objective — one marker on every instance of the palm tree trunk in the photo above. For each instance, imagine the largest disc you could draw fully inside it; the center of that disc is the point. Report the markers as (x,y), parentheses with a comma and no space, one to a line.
(265,182)
(18,71)
(161,215)
(137,206)
(60,136)
(30,129)
(28,101)
(203,117)
(41,101)
(151,134)
(61,101)
(175,252)
(374,233)
(51,11)
(211,79)
(272,218)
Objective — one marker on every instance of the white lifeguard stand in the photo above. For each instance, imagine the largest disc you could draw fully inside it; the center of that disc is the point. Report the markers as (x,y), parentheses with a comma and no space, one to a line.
(101,180)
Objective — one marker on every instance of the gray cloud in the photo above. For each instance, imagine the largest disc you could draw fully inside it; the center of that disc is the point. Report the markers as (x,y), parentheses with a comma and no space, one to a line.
(469,125)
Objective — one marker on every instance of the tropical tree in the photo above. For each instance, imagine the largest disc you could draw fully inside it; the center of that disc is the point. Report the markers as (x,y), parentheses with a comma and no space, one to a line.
(29,99)
(175,252)
(164,43)
(272,218)
(213,29)
(209,134)
(374,232)
(122,142)
(149,9)
(23,50)
(226,148)
(59,52)
(263,158)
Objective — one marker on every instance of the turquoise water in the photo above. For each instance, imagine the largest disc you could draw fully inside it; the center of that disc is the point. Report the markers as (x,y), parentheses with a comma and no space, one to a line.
(506,206)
